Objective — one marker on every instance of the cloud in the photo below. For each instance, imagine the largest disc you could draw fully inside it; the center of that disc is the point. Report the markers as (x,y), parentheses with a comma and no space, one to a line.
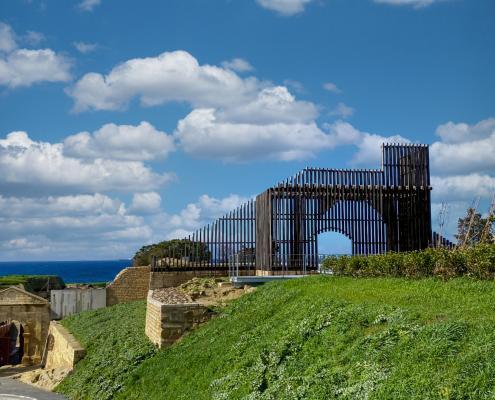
(332,87)
(297,86)
(271,105)
(284,7)
(171,76)
(237,64)
(233,119)
(368,144)
(145,203)
(85,48)
(463,187)
(343,111)
(25,67)
(203,135)
(69,227)
(58,206)
(414,3)
(120,142)
(273,125)
(462,132)
(33,38)
(88,5)
(471,146)
(97,226)
(7,38)
(196,215)
(33,168)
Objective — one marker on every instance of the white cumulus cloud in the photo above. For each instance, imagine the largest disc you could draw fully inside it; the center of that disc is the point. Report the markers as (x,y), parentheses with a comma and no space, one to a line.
(463,187)
(284,7)
(464,148)
(171,76)
(69,227)
(331,87)
(32,168)
(203,135)
(145,203)
(7,38)
(25,67)
(343,111)
(85,48)
(195,215)
(368,144)
(238,64)
(120,142)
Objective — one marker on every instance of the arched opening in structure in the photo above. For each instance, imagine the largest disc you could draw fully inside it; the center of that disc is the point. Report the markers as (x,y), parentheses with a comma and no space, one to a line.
(334,243)
(11,342)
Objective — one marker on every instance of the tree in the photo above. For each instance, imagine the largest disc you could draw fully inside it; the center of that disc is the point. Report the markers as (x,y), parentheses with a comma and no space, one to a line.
(175,249)
(477,224)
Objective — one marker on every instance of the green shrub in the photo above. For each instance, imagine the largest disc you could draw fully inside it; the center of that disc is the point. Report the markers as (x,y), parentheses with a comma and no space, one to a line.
(477,261)
(480,261)
(450,263)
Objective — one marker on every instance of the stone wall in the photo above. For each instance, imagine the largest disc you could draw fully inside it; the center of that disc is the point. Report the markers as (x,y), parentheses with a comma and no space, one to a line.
(33,313)
(166,323)
(130,284)
(167,279)
(63,350)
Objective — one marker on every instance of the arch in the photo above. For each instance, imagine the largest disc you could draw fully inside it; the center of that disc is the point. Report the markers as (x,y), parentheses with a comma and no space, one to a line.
(360,220)
(11,342)
(33,313)
(333,243)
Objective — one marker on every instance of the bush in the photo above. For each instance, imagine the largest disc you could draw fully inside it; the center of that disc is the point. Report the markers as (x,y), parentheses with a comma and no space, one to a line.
(477,261)
(480,261)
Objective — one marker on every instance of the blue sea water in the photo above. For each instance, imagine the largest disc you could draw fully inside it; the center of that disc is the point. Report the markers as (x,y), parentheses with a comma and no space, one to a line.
(70,271)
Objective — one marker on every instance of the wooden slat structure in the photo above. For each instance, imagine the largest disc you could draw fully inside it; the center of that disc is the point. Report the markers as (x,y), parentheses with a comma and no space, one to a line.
(379,210)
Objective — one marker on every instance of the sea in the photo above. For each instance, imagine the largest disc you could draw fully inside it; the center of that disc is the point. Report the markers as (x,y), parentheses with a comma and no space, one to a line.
(70,271)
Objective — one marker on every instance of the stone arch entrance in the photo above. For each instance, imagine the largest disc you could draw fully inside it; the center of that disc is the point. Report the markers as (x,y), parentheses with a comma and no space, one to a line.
(11,342)
(32,314)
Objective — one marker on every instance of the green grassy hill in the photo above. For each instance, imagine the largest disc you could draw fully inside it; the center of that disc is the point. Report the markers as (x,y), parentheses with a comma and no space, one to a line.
(311,338)
(32,283)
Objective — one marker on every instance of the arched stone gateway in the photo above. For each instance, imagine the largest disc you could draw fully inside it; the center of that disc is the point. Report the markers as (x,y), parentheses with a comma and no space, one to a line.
(33,316)
(379,210)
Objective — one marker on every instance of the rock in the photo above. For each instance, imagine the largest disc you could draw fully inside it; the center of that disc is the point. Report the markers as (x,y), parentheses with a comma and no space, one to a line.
(172,296)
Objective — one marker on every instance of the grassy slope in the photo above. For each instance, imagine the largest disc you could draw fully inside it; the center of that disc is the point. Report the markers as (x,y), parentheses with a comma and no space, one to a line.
(115,343)
(31,282)
(323,338)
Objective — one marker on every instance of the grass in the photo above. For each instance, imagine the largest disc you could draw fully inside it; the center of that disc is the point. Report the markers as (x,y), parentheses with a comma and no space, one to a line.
(32,283)
(94,284)
(324,338)
(115,344)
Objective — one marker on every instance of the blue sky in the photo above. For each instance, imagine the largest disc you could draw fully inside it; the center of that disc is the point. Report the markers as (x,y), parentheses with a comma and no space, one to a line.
(124,123)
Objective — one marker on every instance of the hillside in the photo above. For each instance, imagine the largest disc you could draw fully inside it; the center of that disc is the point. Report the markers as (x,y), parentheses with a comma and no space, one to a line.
(315,338)
(32,283)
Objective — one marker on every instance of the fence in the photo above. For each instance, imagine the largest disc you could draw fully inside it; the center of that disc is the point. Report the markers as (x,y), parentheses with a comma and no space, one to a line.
(72,301)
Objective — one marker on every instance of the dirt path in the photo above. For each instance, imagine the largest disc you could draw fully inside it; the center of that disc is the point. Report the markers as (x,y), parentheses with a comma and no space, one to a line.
(11,389)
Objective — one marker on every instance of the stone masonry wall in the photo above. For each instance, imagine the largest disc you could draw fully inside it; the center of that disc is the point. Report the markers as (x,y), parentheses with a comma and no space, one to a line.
(167,279)
(166,323)
(63,350)
(130,284)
